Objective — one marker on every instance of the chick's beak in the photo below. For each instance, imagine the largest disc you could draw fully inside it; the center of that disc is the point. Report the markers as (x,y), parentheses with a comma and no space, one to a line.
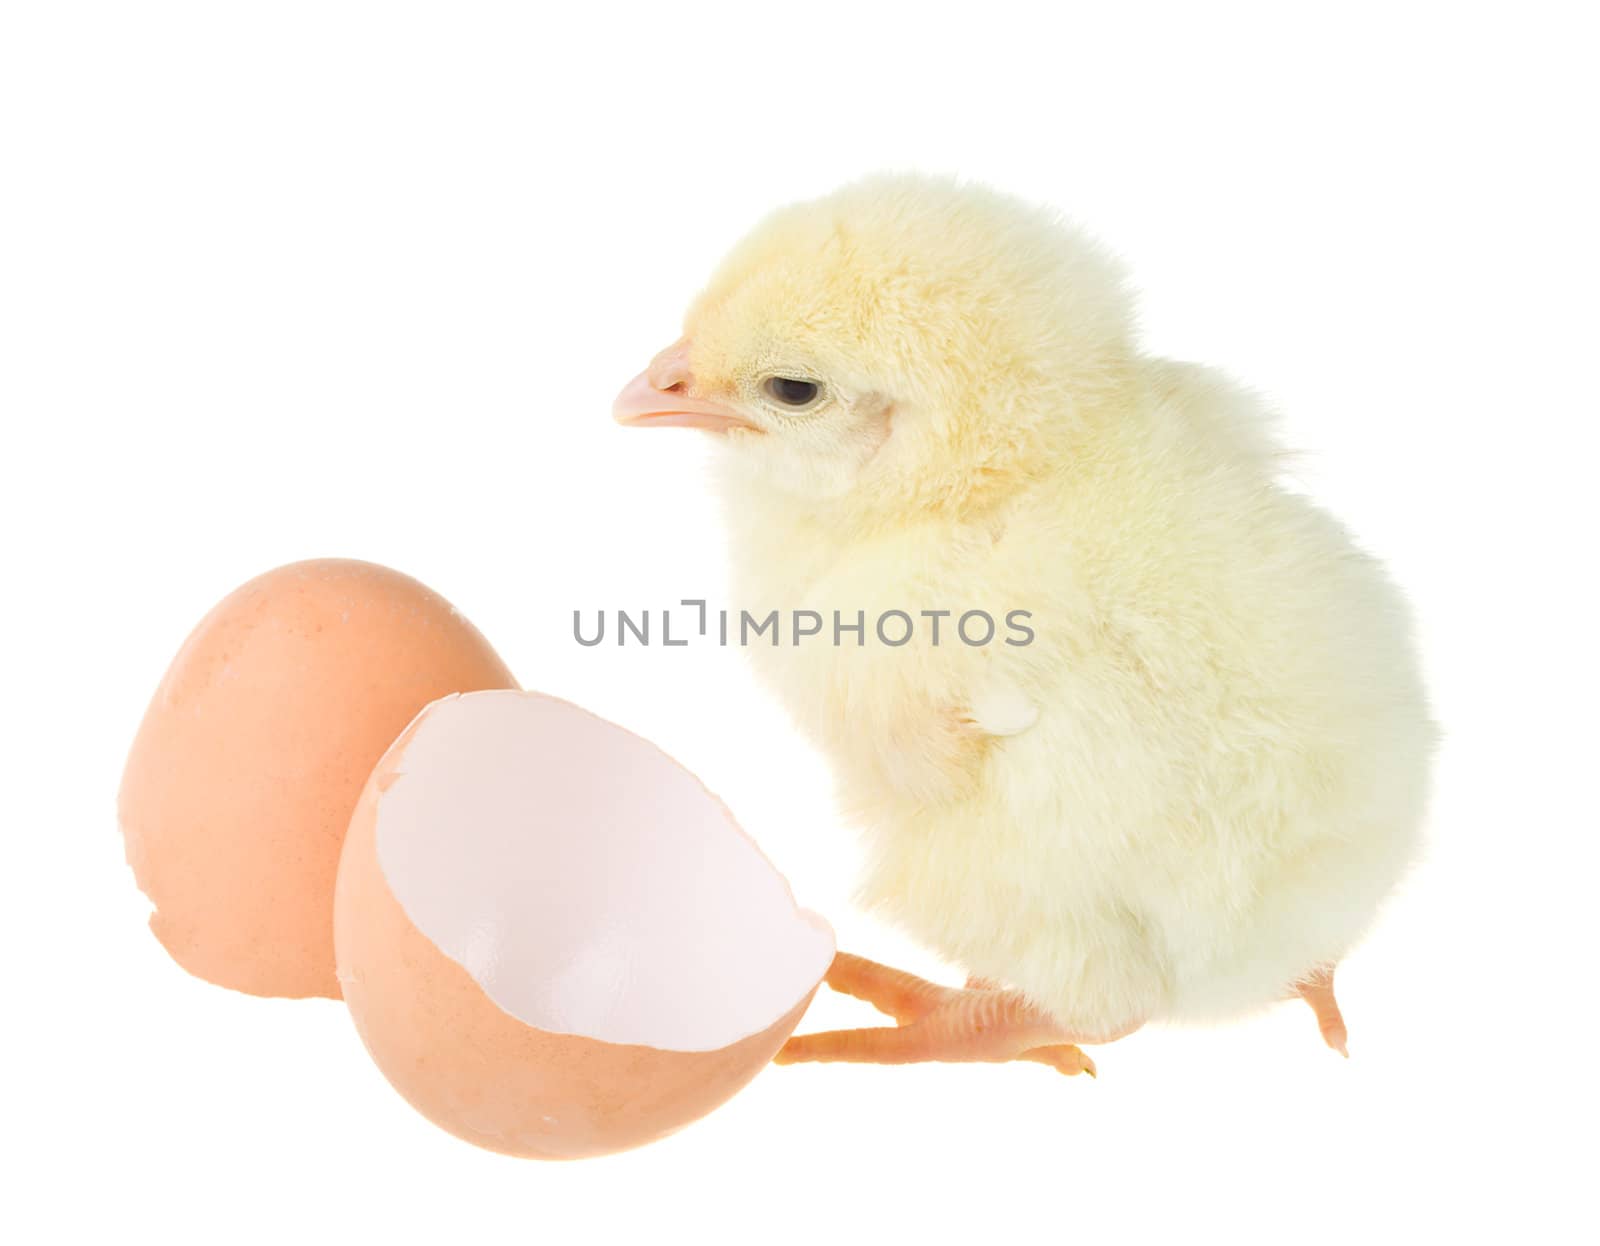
(662,396)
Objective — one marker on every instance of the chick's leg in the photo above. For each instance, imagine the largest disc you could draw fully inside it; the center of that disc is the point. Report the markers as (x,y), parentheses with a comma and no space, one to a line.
(1317,990)
(937,1023)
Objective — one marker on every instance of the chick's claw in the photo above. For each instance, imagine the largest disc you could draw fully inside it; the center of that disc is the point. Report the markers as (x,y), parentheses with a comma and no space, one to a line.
(936,1023)
(1064,1058)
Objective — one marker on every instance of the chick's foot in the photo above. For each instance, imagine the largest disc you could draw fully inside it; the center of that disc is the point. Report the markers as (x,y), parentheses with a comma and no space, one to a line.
(972,1024)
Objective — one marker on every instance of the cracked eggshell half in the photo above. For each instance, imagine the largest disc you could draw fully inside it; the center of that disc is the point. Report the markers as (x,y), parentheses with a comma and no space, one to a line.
(244,773)
(554,941)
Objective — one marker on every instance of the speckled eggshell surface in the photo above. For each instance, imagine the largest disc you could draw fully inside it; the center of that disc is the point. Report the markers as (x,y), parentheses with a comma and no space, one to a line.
(241,782)
(554,941)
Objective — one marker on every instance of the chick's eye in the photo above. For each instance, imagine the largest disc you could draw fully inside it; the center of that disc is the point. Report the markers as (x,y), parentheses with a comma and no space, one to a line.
(791,391)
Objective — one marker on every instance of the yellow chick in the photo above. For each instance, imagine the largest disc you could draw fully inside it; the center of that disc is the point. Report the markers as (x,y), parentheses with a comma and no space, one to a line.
(1181,775)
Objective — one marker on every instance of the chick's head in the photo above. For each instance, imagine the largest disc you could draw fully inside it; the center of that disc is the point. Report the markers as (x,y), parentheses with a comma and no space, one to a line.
(902,341)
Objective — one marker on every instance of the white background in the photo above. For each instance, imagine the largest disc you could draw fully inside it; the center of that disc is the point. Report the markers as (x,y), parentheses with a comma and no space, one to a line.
(288,280)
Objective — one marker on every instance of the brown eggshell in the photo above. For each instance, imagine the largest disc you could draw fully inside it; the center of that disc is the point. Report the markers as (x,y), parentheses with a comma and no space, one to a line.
(489,1077)
(244,773)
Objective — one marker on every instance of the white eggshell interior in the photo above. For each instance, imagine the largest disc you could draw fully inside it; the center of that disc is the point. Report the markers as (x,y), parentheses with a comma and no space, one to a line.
(587,881)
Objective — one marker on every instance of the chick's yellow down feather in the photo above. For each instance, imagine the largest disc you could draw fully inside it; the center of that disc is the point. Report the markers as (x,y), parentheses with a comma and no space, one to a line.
(1202,777)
